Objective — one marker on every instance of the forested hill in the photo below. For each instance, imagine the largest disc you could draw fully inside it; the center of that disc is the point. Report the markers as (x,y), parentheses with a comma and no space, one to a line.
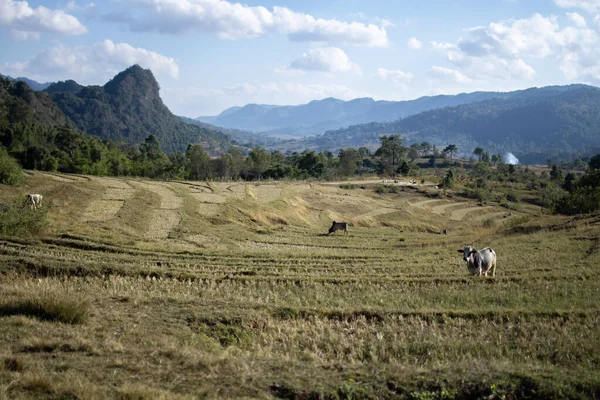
(319,116)
(20,104)
(30,82)
(128,108)
(546,120)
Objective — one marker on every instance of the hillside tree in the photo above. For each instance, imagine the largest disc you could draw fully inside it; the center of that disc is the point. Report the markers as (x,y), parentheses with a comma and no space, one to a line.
(392,150)
(452,149)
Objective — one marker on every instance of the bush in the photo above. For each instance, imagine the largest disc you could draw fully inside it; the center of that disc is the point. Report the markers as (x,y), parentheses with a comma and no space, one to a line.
(449,180)
(482,195)
(348,186)
(20,220)
(10,171)
(551,195)
(582,200)
(49,306)
(387,189)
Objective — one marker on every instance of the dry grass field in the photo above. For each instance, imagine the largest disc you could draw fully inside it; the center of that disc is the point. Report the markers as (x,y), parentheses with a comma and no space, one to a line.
(173,290)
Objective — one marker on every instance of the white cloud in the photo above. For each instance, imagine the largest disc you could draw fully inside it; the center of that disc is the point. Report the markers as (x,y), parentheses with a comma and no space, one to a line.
(238,21)
(577,19)
(26,22)
(502,50)
(91,64)
(587,5)
(414,43)
(447,74)
(327,59)
(73,6)
(396,76)
(193,101)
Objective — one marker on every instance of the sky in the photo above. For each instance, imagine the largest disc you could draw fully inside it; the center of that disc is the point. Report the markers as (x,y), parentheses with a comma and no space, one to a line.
(209,55)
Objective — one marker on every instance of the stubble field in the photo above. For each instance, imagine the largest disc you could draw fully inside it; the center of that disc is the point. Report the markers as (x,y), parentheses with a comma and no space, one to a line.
(146,289)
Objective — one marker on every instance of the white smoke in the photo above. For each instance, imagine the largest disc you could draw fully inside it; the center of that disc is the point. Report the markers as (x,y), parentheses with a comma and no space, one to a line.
(509,158)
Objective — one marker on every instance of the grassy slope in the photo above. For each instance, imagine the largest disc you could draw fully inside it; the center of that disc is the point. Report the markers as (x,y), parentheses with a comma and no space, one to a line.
(232,290)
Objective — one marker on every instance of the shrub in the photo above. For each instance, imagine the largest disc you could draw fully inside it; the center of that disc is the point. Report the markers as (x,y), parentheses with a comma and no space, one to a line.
(551,195)
(20,220)
(347,186)
(49,306)
(10,171)
(387,189)
(449,180)
(582,200)
(482,195)
(514,197)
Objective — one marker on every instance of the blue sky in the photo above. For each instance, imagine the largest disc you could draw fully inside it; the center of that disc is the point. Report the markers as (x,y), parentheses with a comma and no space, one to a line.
(208,55)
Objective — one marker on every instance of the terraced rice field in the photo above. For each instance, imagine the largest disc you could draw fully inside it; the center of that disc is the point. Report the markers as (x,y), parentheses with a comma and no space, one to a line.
(251,298)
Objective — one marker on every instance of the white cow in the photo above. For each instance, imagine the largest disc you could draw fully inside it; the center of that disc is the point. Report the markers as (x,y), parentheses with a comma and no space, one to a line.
(35,200)
(479,262)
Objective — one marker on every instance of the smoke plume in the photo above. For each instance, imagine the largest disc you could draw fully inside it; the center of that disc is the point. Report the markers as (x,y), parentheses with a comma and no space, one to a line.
(509,158)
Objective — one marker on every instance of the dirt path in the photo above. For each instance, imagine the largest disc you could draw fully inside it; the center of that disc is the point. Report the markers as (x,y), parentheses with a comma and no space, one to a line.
(375,213)
(442,209)
(423,203)
(458,215)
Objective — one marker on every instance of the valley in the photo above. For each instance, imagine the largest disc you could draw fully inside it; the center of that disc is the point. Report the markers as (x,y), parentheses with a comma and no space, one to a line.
(233,289)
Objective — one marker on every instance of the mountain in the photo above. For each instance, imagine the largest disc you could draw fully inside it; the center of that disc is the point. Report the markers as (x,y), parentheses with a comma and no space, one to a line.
(68,86)
(530,123)
(238,136)
(128,108)
(320,115)
(37,86)
(20,104)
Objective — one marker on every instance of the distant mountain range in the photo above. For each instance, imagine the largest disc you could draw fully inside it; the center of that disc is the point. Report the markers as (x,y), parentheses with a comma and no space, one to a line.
(319,116)
(534,124)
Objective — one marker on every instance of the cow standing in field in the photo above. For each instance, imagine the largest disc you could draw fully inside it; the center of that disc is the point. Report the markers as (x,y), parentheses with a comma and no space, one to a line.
(35,200)
(336,226)
(479,262)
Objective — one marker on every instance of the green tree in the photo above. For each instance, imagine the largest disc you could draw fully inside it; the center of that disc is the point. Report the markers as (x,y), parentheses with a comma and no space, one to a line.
(236,162)
(364,152)
(556,174)
(594,162)
(478,152)
(413,153)
(449,180)
(425,148)
(350,161)
(392,150)
(259,161)
(197,162)
(452,149)
(10,171)
(485,157)
(570,182)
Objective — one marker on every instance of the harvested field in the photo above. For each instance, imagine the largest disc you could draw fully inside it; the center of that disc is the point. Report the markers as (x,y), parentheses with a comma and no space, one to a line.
(102,210)
(162,223)
(458,215)
(172,296)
